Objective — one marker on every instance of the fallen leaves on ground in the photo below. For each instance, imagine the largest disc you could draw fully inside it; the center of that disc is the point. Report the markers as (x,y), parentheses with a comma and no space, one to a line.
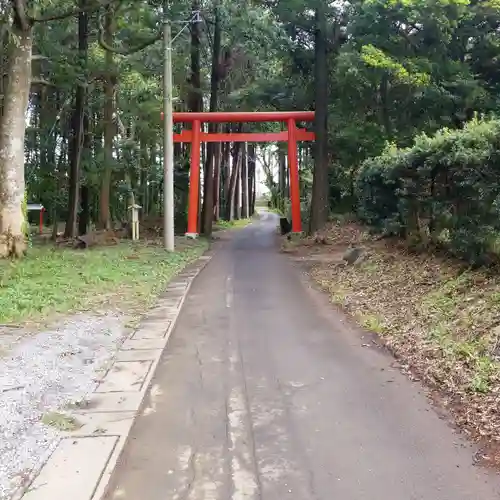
(440,318)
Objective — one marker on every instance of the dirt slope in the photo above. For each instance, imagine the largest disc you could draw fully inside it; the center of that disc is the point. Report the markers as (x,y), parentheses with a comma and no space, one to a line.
(439,318)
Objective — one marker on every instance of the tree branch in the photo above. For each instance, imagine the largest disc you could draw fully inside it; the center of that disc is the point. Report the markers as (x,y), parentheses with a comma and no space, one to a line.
(39,57)
(5,23)
(92,7)
(121,51)
(41,81)
(20,14)
(266,167)
(209,34)
(129,51)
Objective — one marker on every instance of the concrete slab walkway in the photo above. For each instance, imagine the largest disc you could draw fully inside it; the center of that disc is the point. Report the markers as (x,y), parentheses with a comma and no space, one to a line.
(265,393)
(80,466)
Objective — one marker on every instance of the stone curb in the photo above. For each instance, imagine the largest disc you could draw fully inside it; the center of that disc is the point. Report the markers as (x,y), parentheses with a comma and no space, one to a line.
(81,465)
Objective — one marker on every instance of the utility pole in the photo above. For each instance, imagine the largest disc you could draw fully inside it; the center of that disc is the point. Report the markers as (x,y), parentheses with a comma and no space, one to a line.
(168,139)
(168,127)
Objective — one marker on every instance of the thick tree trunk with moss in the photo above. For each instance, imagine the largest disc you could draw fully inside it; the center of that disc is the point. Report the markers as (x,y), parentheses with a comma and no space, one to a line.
(12,133)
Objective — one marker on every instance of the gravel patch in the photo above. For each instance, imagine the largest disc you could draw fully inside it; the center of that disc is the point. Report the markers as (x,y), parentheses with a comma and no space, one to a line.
(45,373)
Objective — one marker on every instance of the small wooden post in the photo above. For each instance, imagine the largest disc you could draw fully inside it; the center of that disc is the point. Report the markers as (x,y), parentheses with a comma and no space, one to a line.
(41,220)
(135,221)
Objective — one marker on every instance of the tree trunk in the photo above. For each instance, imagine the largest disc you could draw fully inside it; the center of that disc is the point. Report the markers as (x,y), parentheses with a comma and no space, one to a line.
(78,132)
(4,44)
(384,103)
(233,181)
(217,176)
(254,190)
(84,220)
(130,189)
(46,119)
(320,189)
(251,178)
(282,178)
(109,126)
(144,182)
(226,173)
(195,98)
(61,173)
(237,188)
(85,217)
(244,182)
(208,188)
(12,134)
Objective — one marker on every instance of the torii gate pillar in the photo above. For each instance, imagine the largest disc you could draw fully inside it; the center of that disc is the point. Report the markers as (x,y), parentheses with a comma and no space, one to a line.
(293,168)
(194,181)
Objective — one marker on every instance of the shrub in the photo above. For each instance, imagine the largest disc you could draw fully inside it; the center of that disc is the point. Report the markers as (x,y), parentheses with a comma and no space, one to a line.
(444,190)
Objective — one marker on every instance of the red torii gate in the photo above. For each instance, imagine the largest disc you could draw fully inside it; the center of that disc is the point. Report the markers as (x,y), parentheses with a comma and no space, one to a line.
(291,135)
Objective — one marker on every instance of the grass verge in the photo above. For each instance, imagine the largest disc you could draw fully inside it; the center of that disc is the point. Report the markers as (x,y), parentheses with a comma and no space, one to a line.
(276,211)
(220,225)
(52,281)
(440,318)
(61,422)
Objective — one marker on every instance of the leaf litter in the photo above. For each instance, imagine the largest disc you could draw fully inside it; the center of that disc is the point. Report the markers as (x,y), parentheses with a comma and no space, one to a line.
(439,318)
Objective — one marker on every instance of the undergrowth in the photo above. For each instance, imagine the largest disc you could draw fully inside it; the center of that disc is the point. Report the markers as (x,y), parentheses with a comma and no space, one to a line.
(234,224)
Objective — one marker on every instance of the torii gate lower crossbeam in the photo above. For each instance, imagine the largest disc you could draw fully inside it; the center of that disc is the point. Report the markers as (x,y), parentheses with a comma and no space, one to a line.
(195,136)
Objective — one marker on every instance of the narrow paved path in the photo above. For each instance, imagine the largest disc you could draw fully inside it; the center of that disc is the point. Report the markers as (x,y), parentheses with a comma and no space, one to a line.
(264,393)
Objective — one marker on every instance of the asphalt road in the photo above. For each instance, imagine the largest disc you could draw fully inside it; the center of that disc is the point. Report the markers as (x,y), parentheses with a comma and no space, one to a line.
(266,393)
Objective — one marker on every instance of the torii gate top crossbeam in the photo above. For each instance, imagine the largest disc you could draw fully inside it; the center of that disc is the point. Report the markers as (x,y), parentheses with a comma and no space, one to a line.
(244,116)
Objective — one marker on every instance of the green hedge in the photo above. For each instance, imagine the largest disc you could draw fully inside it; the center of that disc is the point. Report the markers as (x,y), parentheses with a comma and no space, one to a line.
(444,190)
